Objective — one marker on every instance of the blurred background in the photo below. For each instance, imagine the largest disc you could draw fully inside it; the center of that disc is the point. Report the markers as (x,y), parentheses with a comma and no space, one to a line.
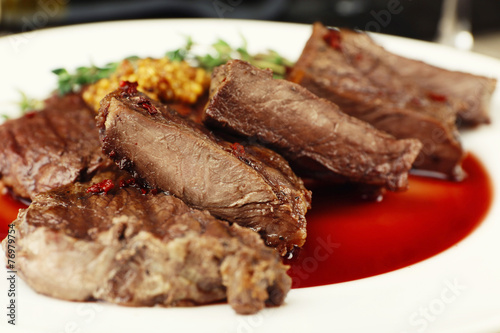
(452,22)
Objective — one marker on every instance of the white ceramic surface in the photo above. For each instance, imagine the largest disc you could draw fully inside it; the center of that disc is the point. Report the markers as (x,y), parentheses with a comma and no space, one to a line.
(456,291)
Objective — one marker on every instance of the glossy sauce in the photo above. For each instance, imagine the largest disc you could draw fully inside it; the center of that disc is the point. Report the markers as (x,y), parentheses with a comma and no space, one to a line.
(349,238)
(9,208)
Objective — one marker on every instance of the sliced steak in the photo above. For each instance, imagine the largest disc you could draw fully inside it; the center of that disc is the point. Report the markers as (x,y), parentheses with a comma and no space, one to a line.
(468,94)
(349,69)
(250,185)
(300,125)
(139,249)
(50,148)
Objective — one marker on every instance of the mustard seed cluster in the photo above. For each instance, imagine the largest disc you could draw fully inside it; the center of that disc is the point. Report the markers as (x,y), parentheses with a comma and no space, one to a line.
(160,79)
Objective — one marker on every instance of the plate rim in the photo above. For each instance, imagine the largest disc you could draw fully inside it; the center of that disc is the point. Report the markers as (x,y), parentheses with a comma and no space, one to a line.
(352,284)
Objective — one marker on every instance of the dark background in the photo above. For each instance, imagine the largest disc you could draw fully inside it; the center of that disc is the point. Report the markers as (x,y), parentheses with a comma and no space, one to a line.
(414,18)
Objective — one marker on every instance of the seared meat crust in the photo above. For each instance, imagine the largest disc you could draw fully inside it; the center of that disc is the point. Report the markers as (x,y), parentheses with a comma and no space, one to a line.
(302,126)
(139,249)
(50,148)
(242,183)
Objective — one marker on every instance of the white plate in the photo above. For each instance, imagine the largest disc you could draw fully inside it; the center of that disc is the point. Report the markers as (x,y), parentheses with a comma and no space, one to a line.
(455,291)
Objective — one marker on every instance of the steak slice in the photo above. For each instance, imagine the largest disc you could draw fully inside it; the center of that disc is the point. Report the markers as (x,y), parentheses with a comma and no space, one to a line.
(300,125)
(469,94)
(50,148)
(250,185)
(142,250)
(349,69)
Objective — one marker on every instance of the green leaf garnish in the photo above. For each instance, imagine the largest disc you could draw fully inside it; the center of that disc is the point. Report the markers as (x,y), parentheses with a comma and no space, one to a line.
(221,52)
(72,82)
(181,53)
(28,104)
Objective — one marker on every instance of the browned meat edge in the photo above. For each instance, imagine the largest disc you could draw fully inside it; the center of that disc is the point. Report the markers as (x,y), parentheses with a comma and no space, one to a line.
(300,125)
(349,69)
(50,148)
(246,184)
(139,249)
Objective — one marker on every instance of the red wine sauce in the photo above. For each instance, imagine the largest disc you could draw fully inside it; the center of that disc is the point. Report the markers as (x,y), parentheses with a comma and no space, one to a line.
(350,238)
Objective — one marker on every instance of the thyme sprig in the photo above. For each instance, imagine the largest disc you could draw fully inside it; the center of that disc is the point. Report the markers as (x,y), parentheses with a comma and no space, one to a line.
(221,52)
(72,82)
(29,104)
(218,53)
(181,53)
(24,105)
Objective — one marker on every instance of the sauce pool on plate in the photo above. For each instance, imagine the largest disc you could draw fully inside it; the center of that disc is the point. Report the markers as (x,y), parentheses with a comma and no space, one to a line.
(9,208)
(350,238)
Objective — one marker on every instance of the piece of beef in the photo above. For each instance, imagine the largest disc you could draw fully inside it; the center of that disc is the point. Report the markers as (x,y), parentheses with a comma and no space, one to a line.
(247,184)
(192,111)
(469,94)
(50,148)
(349,69)
(139,249)
(300,125)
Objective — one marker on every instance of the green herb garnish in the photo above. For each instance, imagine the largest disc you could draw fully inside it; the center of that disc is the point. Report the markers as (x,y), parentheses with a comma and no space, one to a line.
(181,53)
(25,104)
(221,52)
(28,104)
(72,82)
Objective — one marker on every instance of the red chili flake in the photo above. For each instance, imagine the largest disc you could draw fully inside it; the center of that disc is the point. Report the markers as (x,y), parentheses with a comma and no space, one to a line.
(437,97)
(30,114)
(127,182)
(150,108)
(144,191)
(238,149)
(103,187)
(154,191)
(333,38)
(128,88)
(146,104)
(112,154)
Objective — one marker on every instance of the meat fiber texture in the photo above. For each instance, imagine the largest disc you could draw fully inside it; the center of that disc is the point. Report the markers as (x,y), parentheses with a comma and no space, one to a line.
(468,95)
(404,97)
(242,183)
(300,125)
(138,249)
(46,149)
